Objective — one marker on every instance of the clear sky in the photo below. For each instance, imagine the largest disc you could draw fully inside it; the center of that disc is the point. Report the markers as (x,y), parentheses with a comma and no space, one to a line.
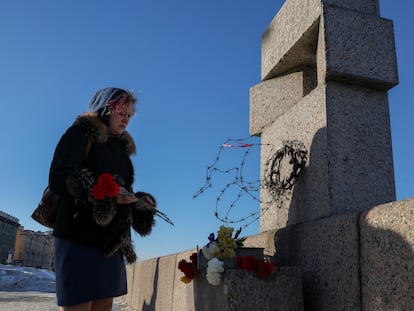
(191,64)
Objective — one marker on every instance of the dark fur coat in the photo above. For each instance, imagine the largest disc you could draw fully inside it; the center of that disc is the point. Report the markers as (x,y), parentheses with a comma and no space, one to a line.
(103,224)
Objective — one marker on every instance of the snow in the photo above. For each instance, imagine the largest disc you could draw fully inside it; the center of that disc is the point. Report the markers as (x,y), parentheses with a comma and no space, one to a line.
(26,288)
(17,279)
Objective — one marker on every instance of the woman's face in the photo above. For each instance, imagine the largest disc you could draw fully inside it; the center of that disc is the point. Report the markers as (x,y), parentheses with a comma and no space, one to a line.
(119,119)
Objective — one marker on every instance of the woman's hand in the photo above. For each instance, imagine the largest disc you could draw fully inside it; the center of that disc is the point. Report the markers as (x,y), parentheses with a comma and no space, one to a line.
(146,203)
(125,197)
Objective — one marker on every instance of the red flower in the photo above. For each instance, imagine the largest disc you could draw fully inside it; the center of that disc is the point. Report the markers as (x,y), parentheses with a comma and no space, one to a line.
(105,187)
(188,268)
(193,258)
(250,263)
(265,268)
(190,272)
(239,262)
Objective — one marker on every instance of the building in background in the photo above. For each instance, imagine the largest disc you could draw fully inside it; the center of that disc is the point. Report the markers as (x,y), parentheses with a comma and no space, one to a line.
(8,232)
(34,249)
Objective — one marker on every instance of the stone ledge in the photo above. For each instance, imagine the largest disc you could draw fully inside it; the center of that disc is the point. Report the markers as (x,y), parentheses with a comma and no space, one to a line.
(387,256)
(243,291)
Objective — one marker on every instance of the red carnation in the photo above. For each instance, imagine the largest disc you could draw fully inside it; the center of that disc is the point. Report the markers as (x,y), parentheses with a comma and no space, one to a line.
(187,268)
(193,259)
(190,272)
(265,268)
(105,187)
(250,263)
(239,262)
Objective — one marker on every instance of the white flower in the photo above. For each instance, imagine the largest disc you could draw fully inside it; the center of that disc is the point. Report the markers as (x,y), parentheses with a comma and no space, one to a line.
(210,250)
(214,278)
(214,269)
(215,265)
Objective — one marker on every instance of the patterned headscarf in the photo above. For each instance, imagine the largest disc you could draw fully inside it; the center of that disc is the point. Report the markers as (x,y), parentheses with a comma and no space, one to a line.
(106,98)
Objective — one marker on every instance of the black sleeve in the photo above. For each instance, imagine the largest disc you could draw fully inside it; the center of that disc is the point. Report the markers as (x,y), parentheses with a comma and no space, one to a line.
(143,221)
(67,159)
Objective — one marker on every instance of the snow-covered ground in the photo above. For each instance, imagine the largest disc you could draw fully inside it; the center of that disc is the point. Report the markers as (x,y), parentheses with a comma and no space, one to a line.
(17,279)
(25,288)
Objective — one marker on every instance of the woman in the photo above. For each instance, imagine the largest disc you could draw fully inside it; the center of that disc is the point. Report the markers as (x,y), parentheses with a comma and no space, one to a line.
(89,252)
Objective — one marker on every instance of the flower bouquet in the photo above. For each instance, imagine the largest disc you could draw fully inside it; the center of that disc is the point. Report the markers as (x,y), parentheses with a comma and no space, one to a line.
(225,252)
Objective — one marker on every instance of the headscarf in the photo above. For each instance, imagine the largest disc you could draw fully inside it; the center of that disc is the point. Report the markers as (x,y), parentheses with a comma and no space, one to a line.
(101,99)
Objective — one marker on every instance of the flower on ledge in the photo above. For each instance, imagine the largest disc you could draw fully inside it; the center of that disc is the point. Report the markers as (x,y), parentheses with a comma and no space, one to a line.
(214,269)
(249,263)
(224,246)
(188,268)
(106,187)
(216,251)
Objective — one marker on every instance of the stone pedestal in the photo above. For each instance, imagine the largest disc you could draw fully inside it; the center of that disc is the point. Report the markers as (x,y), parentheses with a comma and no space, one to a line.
(241,290)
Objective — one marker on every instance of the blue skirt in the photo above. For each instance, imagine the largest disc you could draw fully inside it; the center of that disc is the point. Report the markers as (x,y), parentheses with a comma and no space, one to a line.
(83,273)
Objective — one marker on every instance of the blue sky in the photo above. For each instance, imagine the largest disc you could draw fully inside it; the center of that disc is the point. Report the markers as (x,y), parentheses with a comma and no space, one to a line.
(191,64)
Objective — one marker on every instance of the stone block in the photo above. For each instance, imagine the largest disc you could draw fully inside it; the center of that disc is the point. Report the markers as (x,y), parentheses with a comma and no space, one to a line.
(290,39)
(358,48)
(165,278)
(309,199)
(183,299)
(387,256)
(346,131)
(327,251)
(144,284)
(241,290)
(130,281)
(273,97)
(262,240)
(361,170)
(370,7)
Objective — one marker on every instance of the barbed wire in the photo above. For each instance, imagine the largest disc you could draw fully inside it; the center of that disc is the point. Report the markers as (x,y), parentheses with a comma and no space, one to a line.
(279,174)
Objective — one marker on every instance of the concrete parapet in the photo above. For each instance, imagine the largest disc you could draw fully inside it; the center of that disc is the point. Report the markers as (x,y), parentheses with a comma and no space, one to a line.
(183,293)
(130,269)
(167,268)
(387,256)
(155,284)
(241,290)
(144,284)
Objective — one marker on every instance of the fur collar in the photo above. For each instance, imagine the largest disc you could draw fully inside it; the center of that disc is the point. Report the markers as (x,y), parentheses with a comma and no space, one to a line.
(98,132)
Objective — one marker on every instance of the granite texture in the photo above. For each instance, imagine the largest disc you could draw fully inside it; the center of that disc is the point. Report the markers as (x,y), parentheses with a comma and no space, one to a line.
(346,131)
(369,7)
(271,98)
(358,45)
(309,199)
(241,290)
(359,49)
(361,170)
(387,256)
(290,39)
(327,251)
